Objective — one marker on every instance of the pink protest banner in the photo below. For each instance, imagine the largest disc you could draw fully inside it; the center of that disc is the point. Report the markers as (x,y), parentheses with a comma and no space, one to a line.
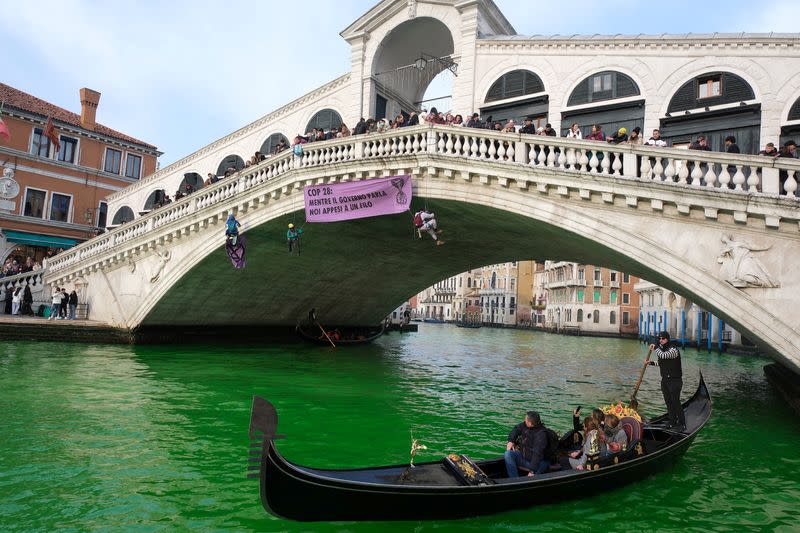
(358,199)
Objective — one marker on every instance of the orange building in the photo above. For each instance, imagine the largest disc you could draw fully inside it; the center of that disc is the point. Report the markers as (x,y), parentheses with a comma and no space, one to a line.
(54,198)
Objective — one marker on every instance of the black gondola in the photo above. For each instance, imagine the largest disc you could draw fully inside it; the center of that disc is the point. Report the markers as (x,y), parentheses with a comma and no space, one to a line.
(348,336)
(472,325)
(441,490)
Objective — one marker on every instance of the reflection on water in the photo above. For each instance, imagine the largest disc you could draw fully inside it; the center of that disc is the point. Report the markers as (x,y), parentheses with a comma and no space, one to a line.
(154,438)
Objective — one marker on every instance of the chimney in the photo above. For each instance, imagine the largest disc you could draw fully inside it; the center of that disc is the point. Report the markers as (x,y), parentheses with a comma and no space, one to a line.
(89,101)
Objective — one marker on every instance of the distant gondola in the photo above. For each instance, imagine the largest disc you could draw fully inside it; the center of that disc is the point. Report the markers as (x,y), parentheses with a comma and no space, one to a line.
(349,335)
(442,490)
(472,325)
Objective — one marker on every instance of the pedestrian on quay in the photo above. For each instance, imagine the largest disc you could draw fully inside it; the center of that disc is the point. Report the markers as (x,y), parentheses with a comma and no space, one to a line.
(56,305)
(73,304)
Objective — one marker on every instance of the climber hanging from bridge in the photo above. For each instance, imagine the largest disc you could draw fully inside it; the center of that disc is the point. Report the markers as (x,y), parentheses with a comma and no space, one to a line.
(234,243)
(426,221)
(293,238)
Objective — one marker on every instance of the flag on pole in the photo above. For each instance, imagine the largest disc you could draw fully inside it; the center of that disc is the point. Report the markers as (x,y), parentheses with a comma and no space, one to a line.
(4,133)
(50,133)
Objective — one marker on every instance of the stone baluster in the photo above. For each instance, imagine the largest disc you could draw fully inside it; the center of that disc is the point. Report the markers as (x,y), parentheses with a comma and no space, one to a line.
(492,151)
(483,148)
(510,152)
(724,177)
(669,172)
(401,146)
(697,174)
(416,145)
(457,146)
(441,145)
(790,185)
(658,170)
(541,157)
(605,164)
(683,171)
(501,152)
(583,160)
(616,166)
(738,177)
(551,157)
(753,180)
(711,177)
(571,159)
(593,162)
(449,145)
(645,168)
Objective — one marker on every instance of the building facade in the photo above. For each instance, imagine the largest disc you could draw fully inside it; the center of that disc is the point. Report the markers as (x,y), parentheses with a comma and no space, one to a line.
(588,299)
(55,196)
(686,322)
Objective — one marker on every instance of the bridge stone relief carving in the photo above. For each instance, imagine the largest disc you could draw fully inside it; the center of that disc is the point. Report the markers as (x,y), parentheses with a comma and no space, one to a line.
(740,267)
(163,259)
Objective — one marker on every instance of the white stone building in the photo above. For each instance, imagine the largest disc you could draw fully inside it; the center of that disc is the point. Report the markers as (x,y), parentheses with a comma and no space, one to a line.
(686,322)
(747,85)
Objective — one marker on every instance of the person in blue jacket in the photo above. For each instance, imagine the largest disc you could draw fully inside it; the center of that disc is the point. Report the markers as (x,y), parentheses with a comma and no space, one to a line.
(232,229)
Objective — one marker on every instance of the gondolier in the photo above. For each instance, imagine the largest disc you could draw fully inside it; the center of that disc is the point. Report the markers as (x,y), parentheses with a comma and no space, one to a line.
(668,360)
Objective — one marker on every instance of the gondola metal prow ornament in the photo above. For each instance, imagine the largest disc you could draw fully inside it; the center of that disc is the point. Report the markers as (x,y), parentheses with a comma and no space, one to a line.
(415,445)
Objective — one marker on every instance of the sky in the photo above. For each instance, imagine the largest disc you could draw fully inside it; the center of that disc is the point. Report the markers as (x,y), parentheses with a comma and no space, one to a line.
(182,74)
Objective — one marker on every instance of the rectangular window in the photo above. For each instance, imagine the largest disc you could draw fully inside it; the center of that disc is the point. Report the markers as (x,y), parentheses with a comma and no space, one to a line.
(102,215)
(68,148)
(34,203)
(581,274)
(41,144)
(513,303)
(59,207)
(513,282)
(597,278)
(580,296)
(626,298)
(601,83)
(613,297)
(613,276)
(626,318)
(709,87)
(596,296)
(626,278)
(113,161)
(133,166)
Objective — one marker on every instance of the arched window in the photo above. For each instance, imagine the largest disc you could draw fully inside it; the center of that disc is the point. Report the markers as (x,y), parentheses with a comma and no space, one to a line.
(580,315)
(231,162)
(513,84)
(596,317)
(469,282)
(712,88)
(269,146)
(612,318)
(494,279)
(156,197)
(123,214)
(602,86)
(606,85)
(193,180)
(794,112)
(325,120)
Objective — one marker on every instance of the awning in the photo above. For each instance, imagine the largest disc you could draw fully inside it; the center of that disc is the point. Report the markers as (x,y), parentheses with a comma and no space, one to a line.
(35,239)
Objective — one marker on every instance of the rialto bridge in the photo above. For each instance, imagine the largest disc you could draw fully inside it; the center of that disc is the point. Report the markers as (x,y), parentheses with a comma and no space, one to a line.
(712,227)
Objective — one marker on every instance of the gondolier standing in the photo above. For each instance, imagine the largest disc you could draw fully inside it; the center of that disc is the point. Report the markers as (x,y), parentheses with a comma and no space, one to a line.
(668,360)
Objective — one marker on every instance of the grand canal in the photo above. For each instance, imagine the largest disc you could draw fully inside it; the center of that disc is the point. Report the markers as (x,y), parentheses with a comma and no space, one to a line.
(146,438)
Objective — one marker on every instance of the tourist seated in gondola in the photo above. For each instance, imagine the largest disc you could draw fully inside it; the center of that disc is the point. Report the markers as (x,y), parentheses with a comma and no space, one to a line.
(591,444)
(616,439)
(597,414)
(527,447)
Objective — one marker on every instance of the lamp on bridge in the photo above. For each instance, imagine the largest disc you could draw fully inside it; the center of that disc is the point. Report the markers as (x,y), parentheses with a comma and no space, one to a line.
(420,63)
(87,216)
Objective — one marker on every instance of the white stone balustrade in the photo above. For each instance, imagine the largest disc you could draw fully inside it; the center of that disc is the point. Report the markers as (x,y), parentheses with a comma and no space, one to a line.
(742,174)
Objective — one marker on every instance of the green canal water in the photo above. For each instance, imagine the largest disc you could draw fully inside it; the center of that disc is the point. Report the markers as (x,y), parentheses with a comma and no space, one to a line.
(120,438)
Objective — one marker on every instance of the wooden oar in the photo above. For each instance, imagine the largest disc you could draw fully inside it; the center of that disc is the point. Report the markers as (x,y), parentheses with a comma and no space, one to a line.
(634,402)
(326,335)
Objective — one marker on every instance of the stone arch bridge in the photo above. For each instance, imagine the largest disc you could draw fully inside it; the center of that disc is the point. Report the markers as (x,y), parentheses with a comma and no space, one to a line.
(712,227)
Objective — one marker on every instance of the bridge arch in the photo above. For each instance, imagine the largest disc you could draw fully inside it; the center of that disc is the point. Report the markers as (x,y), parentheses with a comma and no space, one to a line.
(193,179)
(153,198)
(124,214)
(402,72)
(517,94)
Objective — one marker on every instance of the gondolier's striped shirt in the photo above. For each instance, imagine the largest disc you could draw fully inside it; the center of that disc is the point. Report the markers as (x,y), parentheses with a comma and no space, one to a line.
(669,362)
